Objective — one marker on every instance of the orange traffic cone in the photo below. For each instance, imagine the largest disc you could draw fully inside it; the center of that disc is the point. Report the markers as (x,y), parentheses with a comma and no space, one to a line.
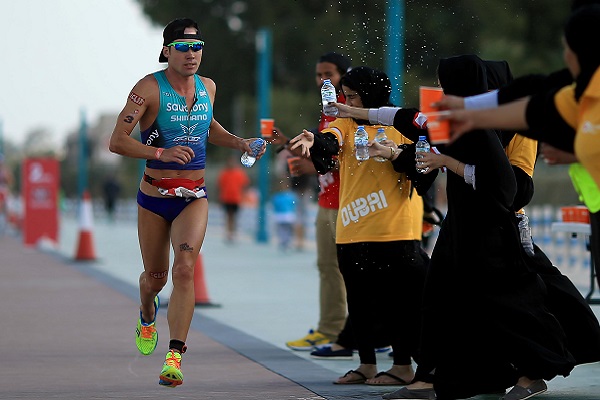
(200,291)
(85,245)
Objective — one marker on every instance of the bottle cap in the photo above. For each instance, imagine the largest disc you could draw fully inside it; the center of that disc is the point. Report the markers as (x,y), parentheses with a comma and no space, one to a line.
(361,127)
(422,137)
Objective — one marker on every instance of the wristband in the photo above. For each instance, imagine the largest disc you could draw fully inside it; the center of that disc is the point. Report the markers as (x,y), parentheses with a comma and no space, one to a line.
(383,115)
(158,153)
(482,101)
(392,153)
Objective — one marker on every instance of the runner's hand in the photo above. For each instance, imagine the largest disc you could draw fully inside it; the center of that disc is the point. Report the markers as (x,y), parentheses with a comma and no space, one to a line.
(177,154)
(246,147)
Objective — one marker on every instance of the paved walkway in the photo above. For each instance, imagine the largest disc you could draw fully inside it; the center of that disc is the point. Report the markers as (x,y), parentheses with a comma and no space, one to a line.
(66,328)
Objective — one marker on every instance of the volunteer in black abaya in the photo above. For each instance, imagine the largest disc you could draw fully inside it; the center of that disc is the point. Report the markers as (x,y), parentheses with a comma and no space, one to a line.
(485,327)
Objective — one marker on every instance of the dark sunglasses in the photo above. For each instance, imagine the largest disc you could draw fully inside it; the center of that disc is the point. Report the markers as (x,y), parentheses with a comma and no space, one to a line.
(184,47)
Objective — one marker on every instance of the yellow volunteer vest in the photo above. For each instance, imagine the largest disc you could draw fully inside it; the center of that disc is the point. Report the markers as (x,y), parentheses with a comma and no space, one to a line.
(374,199)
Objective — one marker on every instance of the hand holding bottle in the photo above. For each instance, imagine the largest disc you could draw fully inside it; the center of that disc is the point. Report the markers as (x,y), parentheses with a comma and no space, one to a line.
(431,161)
(385,149)
(380,137)
(255,148)
(328,95)
(361,144)
(346,111)
(422,147)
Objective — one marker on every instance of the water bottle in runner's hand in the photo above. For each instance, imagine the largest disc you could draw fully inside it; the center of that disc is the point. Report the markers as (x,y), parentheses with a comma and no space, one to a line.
(421,147)
(248,160)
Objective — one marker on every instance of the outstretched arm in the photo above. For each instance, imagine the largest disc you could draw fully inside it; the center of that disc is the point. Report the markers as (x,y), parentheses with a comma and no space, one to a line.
(346,111)
(510,116)
(222,137)
(304,142)
(554,156)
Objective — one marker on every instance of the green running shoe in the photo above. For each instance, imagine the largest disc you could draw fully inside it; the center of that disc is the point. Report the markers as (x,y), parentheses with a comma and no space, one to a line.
(146,336)
(171,375)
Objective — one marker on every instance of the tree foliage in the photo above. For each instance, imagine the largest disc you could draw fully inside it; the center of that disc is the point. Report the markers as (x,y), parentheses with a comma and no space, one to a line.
(527,34)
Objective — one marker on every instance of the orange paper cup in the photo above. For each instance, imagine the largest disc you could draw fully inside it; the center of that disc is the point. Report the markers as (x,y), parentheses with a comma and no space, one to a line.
(582,215)
(266,127)
(569,214)
(439,131)
(427,96)
(292,165)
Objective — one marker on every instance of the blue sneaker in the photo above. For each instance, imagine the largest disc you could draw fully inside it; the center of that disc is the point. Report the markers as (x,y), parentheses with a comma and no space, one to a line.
(325,353)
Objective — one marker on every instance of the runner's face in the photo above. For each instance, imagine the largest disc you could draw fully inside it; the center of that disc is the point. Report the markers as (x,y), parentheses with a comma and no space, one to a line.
(185,63)
(327,70)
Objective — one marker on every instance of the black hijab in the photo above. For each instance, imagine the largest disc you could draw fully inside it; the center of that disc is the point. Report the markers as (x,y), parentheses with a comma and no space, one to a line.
(466,75)
(463,75)
(373,87)
(498,75)
(582,34)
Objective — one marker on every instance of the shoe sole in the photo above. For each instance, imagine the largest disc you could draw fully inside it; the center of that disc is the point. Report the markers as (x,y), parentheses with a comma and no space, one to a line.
(383,350)
(164,380)
(532,394)
(298,348)
(169,384)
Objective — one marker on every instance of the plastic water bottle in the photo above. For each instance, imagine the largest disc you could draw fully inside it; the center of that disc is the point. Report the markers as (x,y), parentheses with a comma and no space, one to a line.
(328,95)
(380,137)
(361,144)
(525,232)
(421,147)
(248,160)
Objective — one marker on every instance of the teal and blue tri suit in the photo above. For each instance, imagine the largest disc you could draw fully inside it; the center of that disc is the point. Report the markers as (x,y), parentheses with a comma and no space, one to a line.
(175,125)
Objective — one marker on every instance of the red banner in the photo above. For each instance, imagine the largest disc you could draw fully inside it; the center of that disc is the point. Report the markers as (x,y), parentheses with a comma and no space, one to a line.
(41,180)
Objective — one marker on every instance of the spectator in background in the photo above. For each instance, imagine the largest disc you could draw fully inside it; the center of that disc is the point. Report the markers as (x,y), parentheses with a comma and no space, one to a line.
(232,183)
(284,210)
(110,190)
(332,293)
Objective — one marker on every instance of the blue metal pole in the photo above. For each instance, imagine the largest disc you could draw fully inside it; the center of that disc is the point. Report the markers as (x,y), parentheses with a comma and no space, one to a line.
(82,176)
(395,49)
(263,91)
